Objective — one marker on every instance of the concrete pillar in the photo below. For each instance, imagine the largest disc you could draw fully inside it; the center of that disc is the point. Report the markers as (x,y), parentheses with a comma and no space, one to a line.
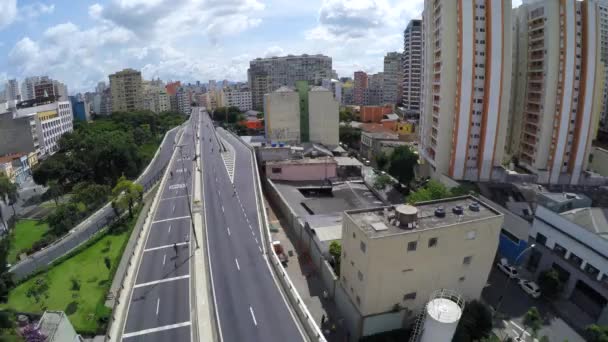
(583,265)
(600,276)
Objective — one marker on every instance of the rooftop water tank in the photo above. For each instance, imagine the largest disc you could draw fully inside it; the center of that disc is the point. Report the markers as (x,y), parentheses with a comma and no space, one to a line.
(443,312)
(406,214)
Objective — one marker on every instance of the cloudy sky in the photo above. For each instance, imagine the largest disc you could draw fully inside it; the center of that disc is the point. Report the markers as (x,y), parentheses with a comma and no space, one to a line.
(81,41)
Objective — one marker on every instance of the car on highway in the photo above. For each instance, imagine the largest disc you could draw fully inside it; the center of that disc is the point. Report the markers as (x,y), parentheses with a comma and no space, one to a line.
(530,288)
(507,269)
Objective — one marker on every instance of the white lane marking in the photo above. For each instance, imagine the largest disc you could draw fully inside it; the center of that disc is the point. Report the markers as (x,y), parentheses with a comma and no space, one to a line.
(174,209)
(260,248)
(174,197)
(253,316)
(161,281)
(157,305)
(237,264)
(153,330)
(223,209)
(518,327)
(169,231)
(164,246)
(252,233)
(228,229)
(251,227)
(164,258)
(171,219)
(256,240)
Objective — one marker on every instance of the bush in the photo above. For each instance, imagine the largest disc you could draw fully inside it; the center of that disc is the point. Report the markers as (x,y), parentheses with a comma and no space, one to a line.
(549,283)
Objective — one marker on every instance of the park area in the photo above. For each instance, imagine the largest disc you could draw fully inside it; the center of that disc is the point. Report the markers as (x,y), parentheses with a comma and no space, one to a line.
(77,285)
(25,234)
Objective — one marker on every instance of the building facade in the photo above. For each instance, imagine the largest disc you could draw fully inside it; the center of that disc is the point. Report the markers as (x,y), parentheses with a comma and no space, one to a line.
(335,86)
(27,88)
(184,101)
(127,91)
(603,33)
(558,64)
(359,87)
(467,83)
(412,66)
(282,116)
(393,258)
(393,78)
(323,116)
(268,74)
(48,122)
(232,97)
(12,90)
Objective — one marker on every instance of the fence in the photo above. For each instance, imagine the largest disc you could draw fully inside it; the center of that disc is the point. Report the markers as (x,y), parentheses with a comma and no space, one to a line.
(308,322)
(117,319)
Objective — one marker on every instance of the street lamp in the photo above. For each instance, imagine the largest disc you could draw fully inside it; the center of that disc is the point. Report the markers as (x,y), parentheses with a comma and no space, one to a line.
(188,196)
(502,295)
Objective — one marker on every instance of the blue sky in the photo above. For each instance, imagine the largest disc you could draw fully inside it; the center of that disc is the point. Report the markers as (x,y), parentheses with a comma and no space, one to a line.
(80,42)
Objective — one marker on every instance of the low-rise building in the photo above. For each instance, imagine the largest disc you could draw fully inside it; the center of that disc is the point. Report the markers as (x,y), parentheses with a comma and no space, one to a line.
(376,142)
(575,244)
(393,258)
(598,161)
(374,113)
(307,169)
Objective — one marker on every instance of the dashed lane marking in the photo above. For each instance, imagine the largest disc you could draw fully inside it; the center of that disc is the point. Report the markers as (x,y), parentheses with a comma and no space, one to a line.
(253,316)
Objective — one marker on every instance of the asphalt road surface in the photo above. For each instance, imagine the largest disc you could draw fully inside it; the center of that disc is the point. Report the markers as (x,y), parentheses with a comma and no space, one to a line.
(160,302)
(94,223)
(249,304)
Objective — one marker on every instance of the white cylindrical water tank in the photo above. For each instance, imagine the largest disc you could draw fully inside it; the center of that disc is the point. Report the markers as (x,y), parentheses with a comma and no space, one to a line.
(442,316)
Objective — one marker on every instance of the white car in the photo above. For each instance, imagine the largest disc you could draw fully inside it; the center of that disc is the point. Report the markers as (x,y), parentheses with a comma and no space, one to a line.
(530,288)
(507,269)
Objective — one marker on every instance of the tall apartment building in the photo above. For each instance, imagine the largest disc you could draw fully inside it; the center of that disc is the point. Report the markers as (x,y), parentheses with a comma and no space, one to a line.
(12,90)
(323,116)
(27,88)
(467,83)
(282,116)
(603,33)
(373,95)
(393,78)
(394,258)
(268,74)
(558,96)
(184,100)
(232,97)
(412,66)
(335,86)
(359,87)
(156,100)
(127,90)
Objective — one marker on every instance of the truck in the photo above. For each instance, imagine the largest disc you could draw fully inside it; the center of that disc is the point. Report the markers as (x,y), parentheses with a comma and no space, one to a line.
(280,251)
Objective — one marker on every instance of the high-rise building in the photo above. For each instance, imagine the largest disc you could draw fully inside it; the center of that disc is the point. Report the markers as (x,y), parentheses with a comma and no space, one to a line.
(233,97)
(603,33)
(12,90)
(44,88)
(335,86)
(558,88)
(359,87)
(467,83)
(268,74)
(323,116)
(184,100)
(282,116)
(101,86)
(127,90)
(412,66)
(393,78)
(156,99)
(373,95)
(27,88)
(394,258)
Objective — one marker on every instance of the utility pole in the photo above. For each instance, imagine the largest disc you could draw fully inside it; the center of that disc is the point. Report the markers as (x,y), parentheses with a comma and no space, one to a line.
(188,196)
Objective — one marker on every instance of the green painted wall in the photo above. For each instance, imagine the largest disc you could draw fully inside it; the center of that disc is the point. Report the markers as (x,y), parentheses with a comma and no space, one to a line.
(302,88)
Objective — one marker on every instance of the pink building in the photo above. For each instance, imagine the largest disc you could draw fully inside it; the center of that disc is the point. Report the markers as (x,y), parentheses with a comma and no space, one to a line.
(309,169)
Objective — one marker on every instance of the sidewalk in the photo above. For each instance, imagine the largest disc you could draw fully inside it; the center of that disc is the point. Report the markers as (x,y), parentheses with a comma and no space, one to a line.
(306,280)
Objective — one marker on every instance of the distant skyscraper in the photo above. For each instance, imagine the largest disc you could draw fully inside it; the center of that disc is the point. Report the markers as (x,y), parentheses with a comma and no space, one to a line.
(412,66)
(127,90)
(373,95)
(101,86)
(268,74)
(393,78)
(12,90)
(359,87)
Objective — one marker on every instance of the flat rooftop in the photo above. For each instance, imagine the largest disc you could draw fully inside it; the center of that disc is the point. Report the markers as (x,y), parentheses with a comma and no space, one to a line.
(594,220)
(376,223)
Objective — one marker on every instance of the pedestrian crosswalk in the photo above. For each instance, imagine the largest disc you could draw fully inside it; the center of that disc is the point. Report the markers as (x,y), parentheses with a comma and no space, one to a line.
(228,156)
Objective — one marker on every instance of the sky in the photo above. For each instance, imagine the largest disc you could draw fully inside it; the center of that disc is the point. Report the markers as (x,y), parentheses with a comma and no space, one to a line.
(80,42)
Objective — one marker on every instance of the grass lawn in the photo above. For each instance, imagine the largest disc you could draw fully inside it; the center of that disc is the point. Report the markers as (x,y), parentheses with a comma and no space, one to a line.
(23,236)
(147,151)
(77,285)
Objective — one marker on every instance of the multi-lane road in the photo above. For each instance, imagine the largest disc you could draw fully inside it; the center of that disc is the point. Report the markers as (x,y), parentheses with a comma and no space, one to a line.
(160,303)
(248,301)
(97,221)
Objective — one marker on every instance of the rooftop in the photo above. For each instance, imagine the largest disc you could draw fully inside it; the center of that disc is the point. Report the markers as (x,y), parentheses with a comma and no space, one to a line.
(320,160)
(375,127)
(594,220)
(387,221)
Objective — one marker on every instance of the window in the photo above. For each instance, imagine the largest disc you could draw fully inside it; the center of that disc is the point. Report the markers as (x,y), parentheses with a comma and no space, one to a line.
(354,235)
(461,279)
(409,296)
(411,246)
(559,250)
(541,239)
(467,260)
(471,235)
(360,275)
(358,300)
(432,242)
(509,236)
(276,170)
(363,247)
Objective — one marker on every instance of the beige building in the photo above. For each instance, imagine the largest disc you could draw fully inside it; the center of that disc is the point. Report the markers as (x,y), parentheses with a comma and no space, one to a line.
(412,66)
(557,90)
(467,83)
(282,116)
(323,116)
(156,99)
(231,97)
(127,90)
(599,161)
(393,258)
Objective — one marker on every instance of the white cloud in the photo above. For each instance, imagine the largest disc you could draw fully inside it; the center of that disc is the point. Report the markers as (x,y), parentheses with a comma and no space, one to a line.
(31,11)
(274,51)
(8,12)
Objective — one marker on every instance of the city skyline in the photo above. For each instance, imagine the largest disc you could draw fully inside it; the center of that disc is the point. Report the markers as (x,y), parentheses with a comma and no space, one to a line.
(98,38)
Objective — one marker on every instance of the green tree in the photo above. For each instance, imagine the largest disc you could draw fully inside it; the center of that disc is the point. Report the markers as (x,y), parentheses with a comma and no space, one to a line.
(382,181)
(403,160)
(433,190)
(549,283)
(335,250)
(346,114)
(91,194)
(350,135)
(54,191)
(533,321)
(8,194)
(125,194)
(596,333)
(382,160)
(65,217)
(475,323)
